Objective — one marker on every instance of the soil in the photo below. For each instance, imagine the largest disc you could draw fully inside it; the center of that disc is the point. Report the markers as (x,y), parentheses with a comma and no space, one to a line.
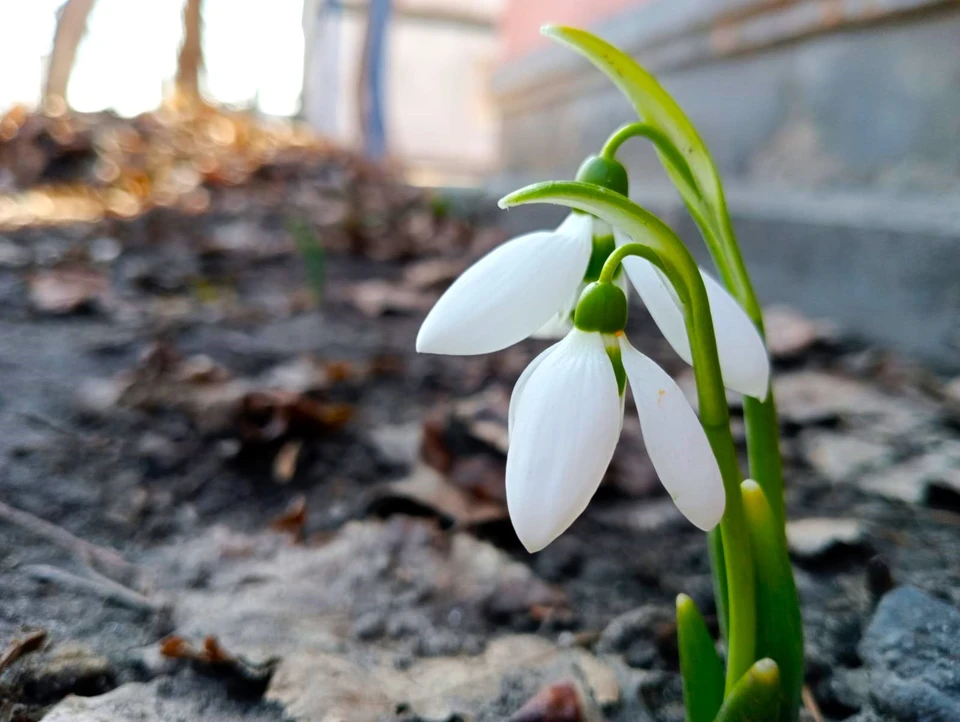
(188,498)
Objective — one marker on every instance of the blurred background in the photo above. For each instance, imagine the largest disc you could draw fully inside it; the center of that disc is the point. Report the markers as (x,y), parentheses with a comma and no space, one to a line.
(834,123)
(222,223)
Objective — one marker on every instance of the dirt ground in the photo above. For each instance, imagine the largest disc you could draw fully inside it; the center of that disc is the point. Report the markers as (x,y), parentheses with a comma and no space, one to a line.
(221,501)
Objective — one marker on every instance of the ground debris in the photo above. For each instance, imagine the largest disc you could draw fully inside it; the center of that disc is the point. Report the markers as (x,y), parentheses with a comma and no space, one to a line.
(67,289)
(29,642)
(314,684)
(558,702)
(294,520)
(243,678)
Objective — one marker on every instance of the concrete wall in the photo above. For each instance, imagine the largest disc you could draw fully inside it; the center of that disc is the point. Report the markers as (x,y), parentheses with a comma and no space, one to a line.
(836,125)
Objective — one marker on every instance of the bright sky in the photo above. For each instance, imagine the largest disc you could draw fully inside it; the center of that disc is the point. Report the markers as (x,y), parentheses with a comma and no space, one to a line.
(252,49)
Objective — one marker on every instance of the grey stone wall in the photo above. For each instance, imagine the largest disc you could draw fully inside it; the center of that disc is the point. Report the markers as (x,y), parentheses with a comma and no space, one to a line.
(836,126)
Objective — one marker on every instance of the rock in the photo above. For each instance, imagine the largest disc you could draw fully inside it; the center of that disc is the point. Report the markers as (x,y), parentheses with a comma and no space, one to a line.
(322,686)
(841,457)
(646,622)
(814,538)
(910,648)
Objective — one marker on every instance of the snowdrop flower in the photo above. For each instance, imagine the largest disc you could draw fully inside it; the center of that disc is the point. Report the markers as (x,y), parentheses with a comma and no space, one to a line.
(498,301)
(744,364)
(565,418)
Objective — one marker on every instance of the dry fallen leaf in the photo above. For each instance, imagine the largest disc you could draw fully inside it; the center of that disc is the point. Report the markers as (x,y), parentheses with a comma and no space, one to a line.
(293,520)
(242,677)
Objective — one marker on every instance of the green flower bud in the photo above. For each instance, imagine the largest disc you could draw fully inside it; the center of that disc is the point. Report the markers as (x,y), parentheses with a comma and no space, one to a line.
(602,308)
(604,172)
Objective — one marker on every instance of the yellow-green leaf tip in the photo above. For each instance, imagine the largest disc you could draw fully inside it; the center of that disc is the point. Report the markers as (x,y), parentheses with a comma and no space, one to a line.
(683,602)
(749,486)
(767,671)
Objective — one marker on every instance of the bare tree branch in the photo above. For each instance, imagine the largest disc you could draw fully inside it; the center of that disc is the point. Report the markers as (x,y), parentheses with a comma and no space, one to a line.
(191,53)
(71,28)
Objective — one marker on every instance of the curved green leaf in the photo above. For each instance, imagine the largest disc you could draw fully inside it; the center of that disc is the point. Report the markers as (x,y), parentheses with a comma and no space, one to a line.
(652,103)
(779,626)
(700,666)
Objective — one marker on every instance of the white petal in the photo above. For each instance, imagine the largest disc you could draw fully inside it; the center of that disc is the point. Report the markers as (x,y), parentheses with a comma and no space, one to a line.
(521,383)
(561,322)
(509,293)
(675,440)
(743,357)
(565,429)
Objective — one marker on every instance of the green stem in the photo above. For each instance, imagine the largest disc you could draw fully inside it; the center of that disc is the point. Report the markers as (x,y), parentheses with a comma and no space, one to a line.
(660,140)
(763,432)
(661,247)
(762,425)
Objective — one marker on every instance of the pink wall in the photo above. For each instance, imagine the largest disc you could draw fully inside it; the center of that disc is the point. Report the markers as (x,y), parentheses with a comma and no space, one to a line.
(520,25)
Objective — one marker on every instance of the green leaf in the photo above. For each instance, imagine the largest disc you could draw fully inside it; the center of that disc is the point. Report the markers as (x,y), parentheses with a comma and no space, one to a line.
(756,697)
(700,665)
(779,626)
(652,103)
(314,257)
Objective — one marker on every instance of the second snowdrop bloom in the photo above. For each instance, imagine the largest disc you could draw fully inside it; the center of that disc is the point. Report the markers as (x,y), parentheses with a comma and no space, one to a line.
(744,363)
(566,413)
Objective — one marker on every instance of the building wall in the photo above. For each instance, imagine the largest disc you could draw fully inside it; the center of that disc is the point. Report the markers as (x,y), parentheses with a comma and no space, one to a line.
(836,127)
(520,26)
(441,119)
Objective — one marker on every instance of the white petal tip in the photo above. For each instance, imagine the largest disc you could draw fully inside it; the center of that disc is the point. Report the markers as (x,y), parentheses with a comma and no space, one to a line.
(535,530)
(707,518)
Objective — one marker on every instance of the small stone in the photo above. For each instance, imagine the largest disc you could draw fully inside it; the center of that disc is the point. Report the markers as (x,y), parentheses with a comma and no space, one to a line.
(910,649)
(815,537)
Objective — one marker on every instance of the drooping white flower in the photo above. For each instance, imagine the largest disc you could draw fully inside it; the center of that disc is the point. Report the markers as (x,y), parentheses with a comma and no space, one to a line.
(512,292)
(744,363)
(565,418)
(529,287)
